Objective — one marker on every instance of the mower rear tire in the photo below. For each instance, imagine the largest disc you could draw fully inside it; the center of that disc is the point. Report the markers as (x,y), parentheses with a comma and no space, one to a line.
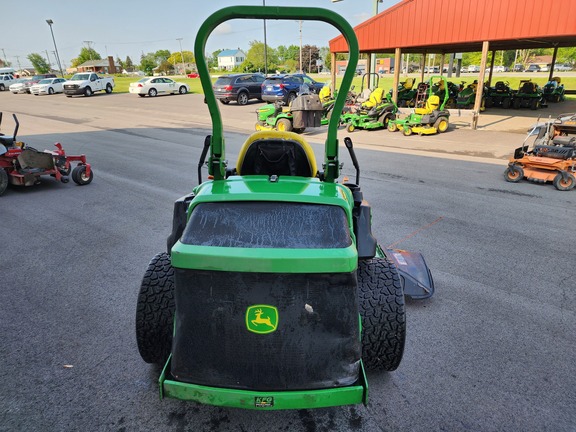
(284,125)
(3,180)
(155,311)
(382,309)
(441,124)
(489,102)
(534,104)
(392,127)
(517,103)
(506,103)
(79,175)
(514,174)
(564,185)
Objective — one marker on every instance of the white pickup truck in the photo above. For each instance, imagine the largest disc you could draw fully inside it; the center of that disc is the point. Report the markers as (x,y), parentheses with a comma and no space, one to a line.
(87,83)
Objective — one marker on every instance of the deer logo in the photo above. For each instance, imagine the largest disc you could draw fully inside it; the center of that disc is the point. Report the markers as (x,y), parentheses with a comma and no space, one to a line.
(261,319)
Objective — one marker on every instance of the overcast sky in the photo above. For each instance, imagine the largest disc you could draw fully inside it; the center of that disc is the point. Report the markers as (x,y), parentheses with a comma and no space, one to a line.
(129,28)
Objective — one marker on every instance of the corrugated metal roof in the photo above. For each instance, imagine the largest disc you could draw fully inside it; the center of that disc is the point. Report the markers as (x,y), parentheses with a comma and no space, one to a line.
(462,25)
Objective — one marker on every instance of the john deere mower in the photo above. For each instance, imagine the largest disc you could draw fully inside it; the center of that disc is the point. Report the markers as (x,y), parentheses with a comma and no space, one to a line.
(553,157)
(273,293)
(499,96)
(306,110)
(553,91)
(467,96)
(529,95)
(406,93)
(430,119)
(375,113)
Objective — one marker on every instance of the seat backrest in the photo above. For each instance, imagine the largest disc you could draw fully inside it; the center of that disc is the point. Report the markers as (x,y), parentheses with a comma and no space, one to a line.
(375,98)
(276,153)
(409,83)
(500,86)
(432,103)
(527,87)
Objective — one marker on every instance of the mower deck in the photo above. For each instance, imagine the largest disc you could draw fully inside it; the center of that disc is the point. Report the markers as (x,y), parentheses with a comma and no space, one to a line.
(265,400)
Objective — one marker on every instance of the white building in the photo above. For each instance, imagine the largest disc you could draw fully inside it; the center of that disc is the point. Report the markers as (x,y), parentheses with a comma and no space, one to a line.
(229,59)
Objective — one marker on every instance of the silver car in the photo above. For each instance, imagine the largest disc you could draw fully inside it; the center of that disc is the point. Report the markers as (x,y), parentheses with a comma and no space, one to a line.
(19,86)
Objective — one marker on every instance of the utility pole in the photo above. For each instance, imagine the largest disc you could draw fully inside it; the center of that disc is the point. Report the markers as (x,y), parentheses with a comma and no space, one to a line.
(300,46)
(5,60)
(48,58)
(181,54)
(265,45)
(18,61)
(89,48)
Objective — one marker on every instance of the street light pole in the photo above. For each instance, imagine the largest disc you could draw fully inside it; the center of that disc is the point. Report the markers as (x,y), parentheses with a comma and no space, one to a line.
(50,22)
(181,54)
(265,45)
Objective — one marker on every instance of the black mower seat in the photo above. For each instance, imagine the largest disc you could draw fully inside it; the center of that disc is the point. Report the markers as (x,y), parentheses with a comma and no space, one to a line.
(276,153)
(7,141)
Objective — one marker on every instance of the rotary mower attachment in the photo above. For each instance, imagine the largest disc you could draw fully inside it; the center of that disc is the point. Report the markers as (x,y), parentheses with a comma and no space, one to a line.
(553,157)
(22,165)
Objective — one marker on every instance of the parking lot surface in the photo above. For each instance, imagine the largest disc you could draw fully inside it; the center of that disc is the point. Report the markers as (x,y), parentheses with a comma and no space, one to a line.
(493,350)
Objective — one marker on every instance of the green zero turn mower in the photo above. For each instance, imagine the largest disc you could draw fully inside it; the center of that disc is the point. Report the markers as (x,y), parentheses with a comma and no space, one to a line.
(375,113)
(273,293)
(430,119)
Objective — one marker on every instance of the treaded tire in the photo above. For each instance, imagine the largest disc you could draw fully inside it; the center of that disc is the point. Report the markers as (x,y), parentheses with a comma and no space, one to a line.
(155,311)
(513,174)
(3,180)
(381,303)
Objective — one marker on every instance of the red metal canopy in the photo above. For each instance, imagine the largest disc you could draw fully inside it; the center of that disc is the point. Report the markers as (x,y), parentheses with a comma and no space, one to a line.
(448,26)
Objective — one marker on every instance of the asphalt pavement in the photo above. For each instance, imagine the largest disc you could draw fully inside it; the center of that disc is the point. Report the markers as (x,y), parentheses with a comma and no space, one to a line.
(493,350)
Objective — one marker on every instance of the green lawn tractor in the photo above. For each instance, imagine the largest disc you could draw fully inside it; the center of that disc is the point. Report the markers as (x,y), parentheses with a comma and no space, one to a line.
(553,91)
(306,110)
(529,95)
(273,293)
(375,113)
(406,93)
(499,96)
(431,119)
(467,97)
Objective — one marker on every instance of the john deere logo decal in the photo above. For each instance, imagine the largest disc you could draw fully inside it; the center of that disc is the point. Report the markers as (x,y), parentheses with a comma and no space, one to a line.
(261,319)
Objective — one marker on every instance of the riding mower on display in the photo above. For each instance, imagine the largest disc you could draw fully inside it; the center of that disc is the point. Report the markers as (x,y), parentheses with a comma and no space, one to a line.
(375,113)
(553,91)
(529,95)
(306,110)
(553,157)
(406,93)
(499,96)
(273,294)
(467,97)
(22,165)
(431,119)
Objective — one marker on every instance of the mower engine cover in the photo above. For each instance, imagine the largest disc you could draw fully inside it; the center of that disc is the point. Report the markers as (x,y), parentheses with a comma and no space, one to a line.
(266,287)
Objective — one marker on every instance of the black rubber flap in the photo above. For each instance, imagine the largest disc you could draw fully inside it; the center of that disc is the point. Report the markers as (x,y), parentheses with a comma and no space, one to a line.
(312,340)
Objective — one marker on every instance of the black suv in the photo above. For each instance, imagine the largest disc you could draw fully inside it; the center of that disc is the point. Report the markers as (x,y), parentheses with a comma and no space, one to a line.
(238,87)
(286,87)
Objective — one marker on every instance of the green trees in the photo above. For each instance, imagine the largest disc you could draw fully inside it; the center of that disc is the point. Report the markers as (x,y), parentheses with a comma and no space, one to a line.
(39,63)
(85,55)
